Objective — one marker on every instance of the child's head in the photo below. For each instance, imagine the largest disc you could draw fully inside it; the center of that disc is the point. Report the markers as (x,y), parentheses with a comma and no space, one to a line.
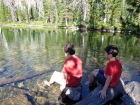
(69,48)
(111,49)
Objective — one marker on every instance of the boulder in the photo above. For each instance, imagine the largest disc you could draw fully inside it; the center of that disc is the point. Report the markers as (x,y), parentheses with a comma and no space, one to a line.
(125,100)
(132,96)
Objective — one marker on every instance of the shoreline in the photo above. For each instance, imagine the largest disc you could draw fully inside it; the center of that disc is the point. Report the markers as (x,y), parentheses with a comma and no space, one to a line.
(74,28)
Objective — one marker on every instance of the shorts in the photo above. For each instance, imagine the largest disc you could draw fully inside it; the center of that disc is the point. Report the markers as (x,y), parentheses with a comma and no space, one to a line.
(59,78)
(100,77)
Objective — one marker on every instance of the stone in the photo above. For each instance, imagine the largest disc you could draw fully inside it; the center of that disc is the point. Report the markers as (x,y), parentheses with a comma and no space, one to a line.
(132,94)
(135,77)
(133,91)
(16,100)
(125,100)
(41,100)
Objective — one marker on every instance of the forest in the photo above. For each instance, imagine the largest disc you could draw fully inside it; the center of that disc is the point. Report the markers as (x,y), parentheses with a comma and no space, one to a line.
(96,14)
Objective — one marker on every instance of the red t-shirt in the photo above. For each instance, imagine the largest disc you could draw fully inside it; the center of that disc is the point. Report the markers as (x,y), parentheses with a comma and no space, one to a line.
(114,69)
(73,69)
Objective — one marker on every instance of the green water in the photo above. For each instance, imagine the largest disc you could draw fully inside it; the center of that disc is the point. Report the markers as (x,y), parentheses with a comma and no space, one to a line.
(27,51)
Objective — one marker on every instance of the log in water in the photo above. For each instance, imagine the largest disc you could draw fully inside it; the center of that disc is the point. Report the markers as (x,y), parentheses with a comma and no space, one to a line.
(22,78)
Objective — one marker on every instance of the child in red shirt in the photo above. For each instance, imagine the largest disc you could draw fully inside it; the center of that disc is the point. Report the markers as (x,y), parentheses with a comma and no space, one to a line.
(112,73)
(71,75)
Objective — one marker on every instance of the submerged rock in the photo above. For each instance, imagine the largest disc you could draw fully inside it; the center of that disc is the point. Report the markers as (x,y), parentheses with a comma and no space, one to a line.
(41,100)
(16,100)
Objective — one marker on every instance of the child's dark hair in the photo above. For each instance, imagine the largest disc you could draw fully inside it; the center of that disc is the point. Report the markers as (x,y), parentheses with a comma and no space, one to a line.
(69,48)
(111,49)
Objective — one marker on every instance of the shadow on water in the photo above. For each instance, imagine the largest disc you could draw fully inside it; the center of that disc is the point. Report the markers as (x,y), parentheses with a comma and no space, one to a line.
(30,99)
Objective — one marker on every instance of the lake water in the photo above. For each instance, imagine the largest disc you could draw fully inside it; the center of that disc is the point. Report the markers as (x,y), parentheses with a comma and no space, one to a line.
(28,51)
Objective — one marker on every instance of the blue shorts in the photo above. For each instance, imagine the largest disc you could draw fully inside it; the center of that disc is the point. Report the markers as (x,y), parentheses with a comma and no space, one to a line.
(100,77)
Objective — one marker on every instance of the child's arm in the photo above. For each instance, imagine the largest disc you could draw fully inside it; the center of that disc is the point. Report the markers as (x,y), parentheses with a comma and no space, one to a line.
(103,91)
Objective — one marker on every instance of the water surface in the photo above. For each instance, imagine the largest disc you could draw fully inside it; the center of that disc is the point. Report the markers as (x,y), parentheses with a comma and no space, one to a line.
(27,51)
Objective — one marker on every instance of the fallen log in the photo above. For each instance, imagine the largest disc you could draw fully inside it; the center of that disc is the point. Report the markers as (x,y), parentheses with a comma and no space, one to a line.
(22,78)
(94,97)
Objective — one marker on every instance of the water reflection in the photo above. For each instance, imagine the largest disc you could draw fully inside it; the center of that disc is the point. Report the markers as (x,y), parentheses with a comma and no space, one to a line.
(27,51)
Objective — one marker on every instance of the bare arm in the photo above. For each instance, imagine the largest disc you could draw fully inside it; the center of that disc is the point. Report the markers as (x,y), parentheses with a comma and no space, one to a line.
(107,83)
(103,91)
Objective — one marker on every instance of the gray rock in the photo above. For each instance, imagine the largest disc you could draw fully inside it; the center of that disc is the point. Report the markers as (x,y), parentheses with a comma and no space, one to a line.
(132,89)
(132,94)
(135,77)
(126,100)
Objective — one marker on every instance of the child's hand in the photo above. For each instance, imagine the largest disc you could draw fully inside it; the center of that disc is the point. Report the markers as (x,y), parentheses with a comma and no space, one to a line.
(102,94)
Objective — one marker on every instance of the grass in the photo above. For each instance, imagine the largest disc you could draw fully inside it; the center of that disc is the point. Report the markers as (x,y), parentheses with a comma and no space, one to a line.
(39,24)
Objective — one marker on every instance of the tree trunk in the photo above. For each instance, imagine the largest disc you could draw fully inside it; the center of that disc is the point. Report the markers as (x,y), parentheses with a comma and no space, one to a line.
(66,21)
(12,7)
(14,14)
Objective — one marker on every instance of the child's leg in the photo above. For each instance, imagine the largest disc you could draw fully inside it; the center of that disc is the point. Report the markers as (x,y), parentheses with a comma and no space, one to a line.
(92,79)
(58,77)
(100,77)
(96,75)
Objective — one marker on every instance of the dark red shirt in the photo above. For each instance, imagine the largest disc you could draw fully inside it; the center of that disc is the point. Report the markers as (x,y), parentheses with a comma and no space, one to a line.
(114,69)
(73,69)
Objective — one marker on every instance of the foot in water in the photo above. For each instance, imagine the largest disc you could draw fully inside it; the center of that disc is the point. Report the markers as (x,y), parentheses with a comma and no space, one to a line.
(46,83)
